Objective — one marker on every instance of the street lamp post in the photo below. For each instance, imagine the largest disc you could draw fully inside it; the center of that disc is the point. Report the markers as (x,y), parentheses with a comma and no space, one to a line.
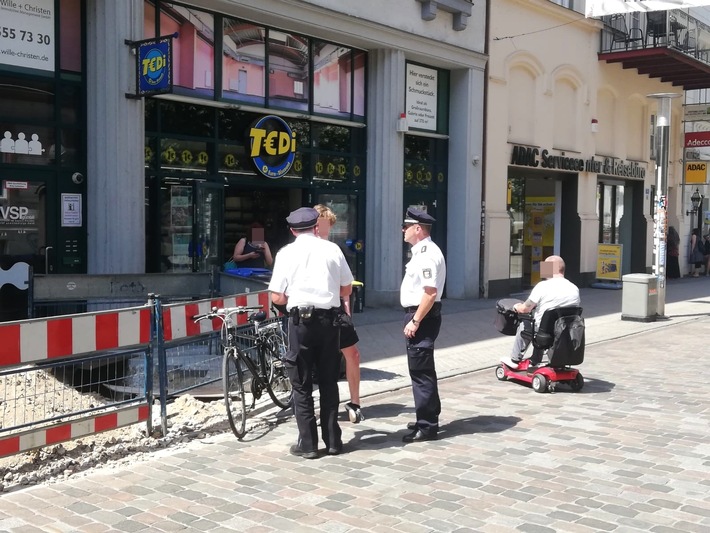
(660,217)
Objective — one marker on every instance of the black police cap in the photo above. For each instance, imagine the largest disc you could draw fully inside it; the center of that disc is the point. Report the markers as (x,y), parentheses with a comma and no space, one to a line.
(303,218)
(417,216)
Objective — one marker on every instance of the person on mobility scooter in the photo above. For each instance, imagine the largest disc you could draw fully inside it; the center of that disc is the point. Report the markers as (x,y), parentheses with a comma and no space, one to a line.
(557,327)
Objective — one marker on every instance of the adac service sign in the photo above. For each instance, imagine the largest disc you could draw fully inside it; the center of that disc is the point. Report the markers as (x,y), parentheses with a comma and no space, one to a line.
(696,172)
(273,146)
(155,66)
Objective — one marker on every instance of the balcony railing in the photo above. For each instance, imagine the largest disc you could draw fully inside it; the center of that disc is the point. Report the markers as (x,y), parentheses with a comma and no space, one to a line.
(675,29)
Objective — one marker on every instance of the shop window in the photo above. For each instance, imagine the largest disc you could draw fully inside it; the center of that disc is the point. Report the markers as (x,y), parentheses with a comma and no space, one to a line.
(187,119)
(148,20)
(193,51)
(332,79)
(71,152)
(233,159)
(288,62)
(184,155)
(29,100)
(70,33)
(425,163)
(360,61)
(331,138)
(243,61)
(70,104)
(25,144)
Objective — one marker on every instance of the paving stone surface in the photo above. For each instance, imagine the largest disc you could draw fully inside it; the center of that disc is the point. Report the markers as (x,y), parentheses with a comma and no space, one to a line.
(628,453)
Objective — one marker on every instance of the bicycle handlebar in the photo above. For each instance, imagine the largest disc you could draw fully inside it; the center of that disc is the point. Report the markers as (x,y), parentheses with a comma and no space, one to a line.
(225,311)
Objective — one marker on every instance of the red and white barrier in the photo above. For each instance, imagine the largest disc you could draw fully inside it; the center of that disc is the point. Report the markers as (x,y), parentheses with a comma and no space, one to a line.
(177,318)
(72,430)
(27,341)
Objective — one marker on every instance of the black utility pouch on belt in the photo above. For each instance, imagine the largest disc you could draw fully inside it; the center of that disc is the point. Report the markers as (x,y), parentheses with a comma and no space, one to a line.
(305,312)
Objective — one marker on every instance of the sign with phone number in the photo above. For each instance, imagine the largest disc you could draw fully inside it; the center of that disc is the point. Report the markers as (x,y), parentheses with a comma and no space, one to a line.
(27,34)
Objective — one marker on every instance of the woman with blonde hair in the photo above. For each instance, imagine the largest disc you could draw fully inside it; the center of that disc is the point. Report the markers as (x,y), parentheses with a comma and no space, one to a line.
(348,335)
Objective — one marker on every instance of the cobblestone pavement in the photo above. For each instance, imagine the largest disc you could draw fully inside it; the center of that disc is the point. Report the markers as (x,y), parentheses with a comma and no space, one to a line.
(627,453)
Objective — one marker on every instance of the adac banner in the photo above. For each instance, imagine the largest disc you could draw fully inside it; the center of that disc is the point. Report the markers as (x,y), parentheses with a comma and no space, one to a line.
(597,8)
(155,66)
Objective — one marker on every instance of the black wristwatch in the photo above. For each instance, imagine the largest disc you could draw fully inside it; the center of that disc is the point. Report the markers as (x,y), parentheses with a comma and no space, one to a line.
(415,321)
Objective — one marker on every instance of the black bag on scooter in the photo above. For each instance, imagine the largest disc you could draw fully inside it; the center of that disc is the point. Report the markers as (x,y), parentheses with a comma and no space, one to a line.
(507,320)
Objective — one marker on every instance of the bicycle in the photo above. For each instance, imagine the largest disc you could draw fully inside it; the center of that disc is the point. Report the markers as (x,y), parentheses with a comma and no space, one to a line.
(266,368)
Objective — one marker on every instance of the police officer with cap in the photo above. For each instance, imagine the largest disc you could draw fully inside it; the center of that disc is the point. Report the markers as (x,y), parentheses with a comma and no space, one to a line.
(310,276)
(420,295)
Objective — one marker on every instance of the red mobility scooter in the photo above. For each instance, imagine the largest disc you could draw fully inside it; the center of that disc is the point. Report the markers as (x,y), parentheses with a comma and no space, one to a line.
(561,335)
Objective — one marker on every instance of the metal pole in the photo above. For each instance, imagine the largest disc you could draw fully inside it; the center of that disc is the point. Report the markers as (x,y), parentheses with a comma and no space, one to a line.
(660,218)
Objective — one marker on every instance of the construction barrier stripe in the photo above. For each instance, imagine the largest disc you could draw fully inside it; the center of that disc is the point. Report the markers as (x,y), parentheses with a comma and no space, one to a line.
(72,430)
(33,340)
(178,322)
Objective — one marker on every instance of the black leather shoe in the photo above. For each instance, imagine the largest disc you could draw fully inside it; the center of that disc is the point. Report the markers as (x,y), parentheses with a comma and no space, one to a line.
(337,450)
(412,426)
(419,435)
(298,452)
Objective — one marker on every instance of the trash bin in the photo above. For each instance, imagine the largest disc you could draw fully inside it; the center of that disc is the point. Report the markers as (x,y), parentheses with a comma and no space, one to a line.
(357,298)
(639,298)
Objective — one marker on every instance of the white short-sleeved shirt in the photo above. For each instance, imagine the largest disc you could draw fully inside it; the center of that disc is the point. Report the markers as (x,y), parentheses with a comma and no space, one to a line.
(426,268)
(310,271)
(552,293)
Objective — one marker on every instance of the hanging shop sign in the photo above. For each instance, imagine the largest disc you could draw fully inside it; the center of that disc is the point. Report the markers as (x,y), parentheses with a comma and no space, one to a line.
(154,66)
(611,166)
(27,34)
(421,97)
(273,146)
(696,172)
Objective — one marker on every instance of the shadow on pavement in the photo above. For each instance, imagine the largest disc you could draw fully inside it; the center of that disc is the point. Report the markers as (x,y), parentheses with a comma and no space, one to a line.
(478,424)
(373,374)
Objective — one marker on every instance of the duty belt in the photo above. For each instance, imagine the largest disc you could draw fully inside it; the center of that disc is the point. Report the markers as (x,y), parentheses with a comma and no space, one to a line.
(413,308)
(308,311)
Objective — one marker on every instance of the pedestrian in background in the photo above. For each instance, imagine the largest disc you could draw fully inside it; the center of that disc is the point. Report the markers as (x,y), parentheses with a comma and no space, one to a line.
(697,253)
(348,335)
(310,277)
(420,295)
(672,254)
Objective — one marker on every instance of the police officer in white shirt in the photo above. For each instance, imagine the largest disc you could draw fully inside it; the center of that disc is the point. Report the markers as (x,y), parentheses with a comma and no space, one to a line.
(310,276)
(420,295)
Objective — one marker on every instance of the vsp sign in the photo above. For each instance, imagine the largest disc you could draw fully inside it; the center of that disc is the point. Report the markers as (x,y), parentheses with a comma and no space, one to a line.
(696,172)
(273,146)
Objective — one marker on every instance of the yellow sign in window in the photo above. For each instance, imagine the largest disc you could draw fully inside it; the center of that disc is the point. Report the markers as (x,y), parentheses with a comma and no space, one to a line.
(696,172)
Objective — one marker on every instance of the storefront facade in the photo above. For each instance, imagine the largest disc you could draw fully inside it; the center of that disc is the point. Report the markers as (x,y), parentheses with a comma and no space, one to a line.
(570,166)
(382,117)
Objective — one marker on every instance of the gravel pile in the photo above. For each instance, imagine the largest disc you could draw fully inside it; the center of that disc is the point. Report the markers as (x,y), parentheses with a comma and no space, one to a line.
(43,395)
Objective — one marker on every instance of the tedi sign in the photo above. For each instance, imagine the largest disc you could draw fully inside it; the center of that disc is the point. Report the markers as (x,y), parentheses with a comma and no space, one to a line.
(534,157)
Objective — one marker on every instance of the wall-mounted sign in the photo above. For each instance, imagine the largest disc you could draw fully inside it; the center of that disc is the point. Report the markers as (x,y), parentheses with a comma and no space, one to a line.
(421,97)
(695,112)
(696,172)
(273,146)
(71,210)
(697,139)
(27,34)
(154,65)
(611,166)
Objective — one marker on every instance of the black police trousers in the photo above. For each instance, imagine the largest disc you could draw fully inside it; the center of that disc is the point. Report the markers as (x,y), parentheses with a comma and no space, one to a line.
(314,341)
(422,371)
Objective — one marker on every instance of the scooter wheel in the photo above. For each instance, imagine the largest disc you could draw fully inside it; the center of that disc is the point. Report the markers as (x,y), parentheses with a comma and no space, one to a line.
(577,383)
(539,383)
(500,373)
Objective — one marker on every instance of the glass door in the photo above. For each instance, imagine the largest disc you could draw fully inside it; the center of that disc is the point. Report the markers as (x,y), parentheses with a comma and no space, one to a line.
(27,239)
(208,235)
(347,232)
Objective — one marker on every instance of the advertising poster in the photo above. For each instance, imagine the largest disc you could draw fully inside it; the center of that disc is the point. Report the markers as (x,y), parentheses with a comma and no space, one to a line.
(609,261)
(421,97)
(27,34)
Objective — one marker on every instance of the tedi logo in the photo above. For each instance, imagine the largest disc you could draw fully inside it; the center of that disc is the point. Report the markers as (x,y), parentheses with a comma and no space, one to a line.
(153,66)
(273,146)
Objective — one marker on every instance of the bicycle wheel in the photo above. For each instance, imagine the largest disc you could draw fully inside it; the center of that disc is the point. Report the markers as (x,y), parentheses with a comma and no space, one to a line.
(277,383)
(234,394)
